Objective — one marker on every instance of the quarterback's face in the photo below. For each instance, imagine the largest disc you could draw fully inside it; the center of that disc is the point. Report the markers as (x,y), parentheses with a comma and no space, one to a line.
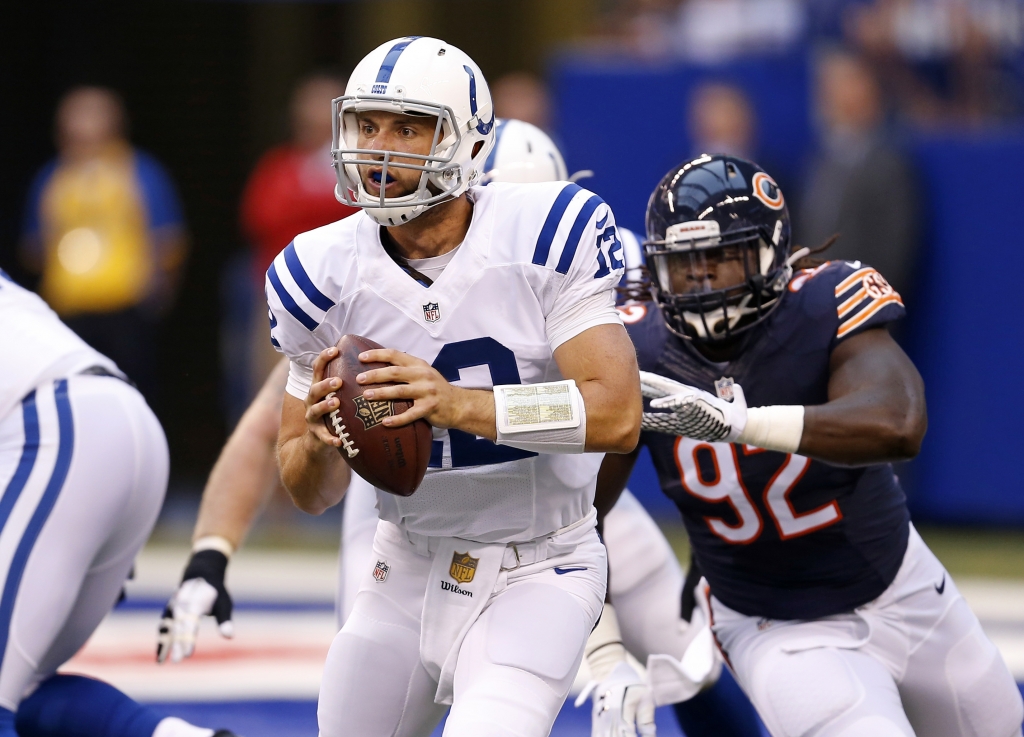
(694,272)
(385,131)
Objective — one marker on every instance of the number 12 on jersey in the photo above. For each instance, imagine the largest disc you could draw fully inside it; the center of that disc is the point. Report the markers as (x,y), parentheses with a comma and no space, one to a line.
(725,484)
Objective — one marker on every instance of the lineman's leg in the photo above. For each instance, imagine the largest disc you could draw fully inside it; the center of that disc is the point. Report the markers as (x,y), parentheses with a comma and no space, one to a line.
(954,683)
(646,582)
(519,659)
(646,587)
(374,684)
(88,505)
(358,525)
(805,683)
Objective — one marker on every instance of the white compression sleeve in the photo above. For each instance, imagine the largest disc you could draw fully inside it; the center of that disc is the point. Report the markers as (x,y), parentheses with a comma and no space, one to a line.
(779,427)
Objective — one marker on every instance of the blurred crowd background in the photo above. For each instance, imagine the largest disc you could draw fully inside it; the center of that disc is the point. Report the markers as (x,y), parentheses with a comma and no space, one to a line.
(155,156)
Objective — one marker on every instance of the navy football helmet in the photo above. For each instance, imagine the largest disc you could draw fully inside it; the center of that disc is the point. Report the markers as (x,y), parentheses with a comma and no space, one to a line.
(718,242)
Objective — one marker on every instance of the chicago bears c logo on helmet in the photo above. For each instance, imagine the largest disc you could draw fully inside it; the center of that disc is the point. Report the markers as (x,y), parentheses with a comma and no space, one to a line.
(766,190)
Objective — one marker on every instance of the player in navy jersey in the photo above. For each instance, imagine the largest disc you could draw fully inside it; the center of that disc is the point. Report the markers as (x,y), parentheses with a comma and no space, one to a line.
(833,614)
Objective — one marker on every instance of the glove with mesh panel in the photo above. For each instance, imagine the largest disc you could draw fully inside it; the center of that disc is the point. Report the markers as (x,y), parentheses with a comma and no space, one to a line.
(201,593)
(692,413)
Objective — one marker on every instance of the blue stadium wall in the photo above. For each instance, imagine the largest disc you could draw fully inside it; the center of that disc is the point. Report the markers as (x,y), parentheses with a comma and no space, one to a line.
(627,123)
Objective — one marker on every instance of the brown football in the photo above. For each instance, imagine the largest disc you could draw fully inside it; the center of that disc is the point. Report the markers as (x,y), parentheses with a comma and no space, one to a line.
(393,459)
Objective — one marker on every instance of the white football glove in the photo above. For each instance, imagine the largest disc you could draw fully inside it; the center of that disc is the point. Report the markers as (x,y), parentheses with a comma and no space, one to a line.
(623,706)
(201,593)
(672,680)
(693,413)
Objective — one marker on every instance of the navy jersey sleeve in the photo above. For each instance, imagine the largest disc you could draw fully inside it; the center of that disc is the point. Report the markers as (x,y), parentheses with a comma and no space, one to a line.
(854,296)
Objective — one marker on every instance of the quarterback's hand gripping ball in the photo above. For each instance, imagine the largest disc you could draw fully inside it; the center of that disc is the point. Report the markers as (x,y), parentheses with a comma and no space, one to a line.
(201,593)
(623,706)
(693,413)
(393,459)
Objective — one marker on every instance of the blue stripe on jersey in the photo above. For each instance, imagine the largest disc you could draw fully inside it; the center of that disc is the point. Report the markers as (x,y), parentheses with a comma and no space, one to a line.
(286,299)
(301,278)
(573,242)
(29,451)
(547,232)
(498,133)
(65,448)
(388,65)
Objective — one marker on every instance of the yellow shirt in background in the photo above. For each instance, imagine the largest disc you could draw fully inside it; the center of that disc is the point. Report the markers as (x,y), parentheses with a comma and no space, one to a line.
(97,253)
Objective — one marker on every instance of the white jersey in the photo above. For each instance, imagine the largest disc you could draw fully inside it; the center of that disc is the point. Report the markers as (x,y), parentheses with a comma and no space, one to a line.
(537,267)
(37,346)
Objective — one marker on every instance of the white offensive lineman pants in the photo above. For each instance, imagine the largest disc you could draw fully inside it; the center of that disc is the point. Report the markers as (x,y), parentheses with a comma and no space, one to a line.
(646,582)
(912,662)
(513,668)
(83,471)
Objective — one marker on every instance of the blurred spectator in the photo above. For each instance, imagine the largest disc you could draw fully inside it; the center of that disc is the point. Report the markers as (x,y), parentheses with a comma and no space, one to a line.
(290,191)
(717,30)
(639,27)
(522,96)
(721,121)
(944,60)
(859,183)
(103,228)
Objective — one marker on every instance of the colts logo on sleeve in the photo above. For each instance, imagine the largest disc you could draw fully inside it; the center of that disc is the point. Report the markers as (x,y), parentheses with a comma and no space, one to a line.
(381,570)
(463,567)
(431,312)
(372,412)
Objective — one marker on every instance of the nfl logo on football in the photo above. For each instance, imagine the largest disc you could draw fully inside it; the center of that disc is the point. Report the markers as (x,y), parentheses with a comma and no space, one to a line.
(380,571)
(431,312)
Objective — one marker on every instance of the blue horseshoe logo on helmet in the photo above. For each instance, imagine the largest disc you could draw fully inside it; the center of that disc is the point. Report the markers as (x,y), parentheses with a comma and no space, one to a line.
(482,128)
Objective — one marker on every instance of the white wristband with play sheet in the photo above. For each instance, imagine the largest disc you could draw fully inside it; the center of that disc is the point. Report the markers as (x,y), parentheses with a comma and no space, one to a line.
(542,418)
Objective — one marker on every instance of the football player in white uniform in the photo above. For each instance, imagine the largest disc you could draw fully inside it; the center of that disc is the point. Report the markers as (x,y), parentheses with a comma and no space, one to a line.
(646,580)
(83,471)
(491,576)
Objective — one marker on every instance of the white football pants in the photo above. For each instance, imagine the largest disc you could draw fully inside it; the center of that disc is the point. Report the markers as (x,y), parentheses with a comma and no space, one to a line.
(83,471)
(646,579)
(912,662)
(646,582)
(515,665)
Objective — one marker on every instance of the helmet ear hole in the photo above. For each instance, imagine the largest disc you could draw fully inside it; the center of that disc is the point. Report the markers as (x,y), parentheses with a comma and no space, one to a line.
(476,148)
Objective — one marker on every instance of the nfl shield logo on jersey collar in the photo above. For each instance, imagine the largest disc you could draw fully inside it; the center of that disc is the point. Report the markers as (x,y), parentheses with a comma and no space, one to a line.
(381,570)
(431,312)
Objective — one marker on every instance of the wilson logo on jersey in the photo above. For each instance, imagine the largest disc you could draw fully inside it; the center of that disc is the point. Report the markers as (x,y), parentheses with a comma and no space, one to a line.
(860,296)
(371,413)
(463,567)
(431,312)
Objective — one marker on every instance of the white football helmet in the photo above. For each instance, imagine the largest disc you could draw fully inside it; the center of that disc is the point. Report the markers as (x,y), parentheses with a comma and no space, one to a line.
(523,153)
(415,76)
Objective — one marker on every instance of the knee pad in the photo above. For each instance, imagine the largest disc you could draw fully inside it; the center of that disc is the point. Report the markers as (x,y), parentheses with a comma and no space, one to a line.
(539,629)
(801,692)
